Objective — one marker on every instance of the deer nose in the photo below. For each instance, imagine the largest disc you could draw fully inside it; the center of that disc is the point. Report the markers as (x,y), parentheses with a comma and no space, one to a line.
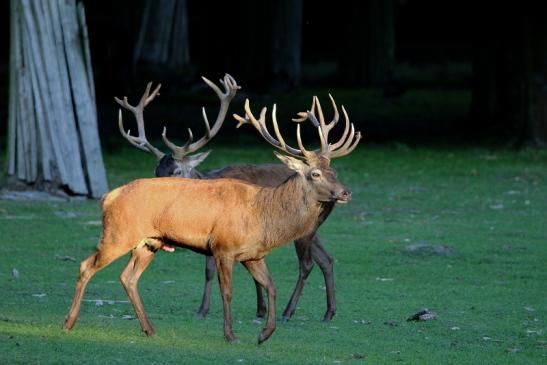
(344,196)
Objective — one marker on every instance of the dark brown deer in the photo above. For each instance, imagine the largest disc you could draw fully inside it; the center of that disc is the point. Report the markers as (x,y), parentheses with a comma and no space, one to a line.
(309,248)
(228,219)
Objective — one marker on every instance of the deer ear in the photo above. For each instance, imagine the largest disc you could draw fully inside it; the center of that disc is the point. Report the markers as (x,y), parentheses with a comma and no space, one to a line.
(198,158)
(293,163)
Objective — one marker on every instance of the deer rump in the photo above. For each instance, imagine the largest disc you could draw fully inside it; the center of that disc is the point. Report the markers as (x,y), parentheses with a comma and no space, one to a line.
(221,216)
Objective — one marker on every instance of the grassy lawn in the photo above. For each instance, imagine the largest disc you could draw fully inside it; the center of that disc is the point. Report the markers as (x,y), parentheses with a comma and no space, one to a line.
(486,209)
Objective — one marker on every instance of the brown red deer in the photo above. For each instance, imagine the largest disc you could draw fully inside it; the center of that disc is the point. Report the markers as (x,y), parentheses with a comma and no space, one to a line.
(229,219)
(309,248)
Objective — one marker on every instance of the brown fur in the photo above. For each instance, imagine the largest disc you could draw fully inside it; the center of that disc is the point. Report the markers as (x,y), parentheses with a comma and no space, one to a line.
(230,219)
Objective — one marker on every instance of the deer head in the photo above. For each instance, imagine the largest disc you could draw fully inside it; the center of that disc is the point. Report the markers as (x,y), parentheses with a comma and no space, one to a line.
(313,166)
(180,162)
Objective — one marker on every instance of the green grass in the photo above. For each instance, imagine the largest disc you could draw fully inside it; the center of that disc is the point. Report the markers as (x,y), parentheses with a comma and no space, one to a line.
(490,206)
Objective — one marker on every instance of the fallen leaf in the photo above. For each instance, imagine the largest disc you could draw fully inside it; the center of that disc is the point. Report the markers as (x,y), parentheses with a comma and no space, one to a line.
(128,317)
(15,273)
(39,295)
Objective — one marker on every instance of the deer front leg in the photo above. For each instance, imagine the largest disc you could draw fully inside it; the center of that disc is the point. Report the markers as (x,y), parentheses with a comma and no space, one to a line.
(325,262)
(260,273)
(224,268)
(210,270)
(140,259)
(305,262)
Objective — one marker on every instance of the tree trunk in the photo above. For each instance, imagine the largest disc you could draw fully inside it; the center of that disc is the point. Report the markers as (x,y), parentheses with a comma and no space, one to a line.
(163,46)
(510,75)
(287,43)
(370,57)
(52,140)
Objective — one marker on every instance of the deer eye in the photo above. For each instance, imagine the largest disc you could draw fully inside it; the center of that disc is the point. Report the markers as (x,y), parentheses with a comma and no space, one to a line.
(316,174)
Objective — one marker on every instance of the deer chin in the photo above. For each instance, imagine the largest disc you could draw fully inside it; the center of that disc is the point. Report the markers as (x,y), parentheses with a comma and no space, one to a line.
(342,201)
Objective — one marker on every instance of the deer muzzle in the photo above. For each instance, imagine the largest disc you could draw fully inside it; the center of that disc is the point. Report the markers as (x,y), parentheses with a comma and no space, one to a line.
(343,196)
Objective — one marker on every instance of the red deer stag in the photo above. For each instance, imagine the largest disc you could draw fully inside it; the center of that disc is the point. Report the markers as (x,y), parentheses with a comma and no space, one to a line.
(309,248)
(229,219)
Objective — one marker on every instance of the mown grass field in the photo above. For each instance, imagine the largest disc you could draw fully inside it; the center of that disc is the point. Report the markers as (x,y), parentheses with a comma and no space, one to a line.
(488,287)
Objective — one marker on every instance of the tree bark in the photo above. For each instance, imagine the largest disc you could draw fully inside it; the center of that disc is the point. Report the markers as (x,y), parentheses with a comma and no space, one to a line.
(370,57)
(162,45)
(287,43)
(53,140)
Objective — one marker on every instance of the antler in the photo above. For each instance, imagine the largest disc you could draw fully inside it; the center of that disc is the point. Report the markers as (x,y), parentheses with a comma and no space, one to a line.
(139,141)
(230,90)
(260,126)
(345,144)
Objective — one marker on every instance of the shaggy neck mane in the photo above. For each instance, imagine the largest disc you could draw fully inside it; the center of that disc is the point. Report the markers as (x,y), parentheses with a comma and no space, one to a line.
(287,211)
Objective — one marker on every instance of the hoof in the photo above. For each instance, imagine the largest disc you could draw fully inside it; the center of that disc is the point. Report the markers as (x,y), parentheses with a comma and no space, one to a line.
(264,335)
(201,313)
(285,319)
(232,340)
(259,318)
(150,332)
(328,316)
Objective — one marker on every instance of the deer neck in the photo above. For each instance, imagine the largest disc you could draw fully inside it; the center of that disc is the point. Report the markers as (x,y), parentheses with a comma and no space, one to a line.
(287,212)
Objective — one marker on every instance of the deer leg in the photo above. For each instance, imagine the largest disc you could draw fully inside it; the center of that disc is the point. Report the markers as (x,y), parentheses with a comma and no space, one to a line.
(139,261)
(260,304)
(260,273)
(224,268)
(325,262)
(210,270)
(305,261)
(88,267)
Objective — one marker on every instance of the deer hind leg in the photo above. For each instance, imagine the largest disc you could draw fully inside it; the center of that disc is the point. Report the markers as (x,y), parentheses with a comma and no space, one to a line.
(260,304)
(260,273)
(305,262)
(88,267)
(210,270)
(141,257)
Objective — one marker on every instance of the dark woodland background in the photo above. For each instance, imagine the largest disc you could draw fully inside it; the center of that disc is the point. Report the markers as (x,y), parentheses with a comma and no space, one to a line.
(367,53)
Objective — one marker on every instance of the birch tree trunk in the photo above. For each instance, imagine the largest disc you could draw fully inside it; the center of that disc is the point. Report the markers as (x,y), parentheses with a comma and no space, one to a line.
(53,141)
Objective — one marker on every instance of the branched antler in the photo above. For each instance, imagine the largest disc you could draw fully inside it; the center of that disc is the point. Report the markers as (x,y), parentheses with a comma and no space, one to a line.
(346,144)
(342,147)
(260,126)
(230,90)
(140,141)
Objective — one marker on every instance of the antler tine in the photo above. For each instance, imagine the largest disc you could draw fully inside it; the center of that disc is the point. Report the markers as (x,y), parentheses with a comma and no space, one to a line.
(260,126)
(178,152)
(139,141)
(306,116)
(230,89)
(349,145)
(336,145)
